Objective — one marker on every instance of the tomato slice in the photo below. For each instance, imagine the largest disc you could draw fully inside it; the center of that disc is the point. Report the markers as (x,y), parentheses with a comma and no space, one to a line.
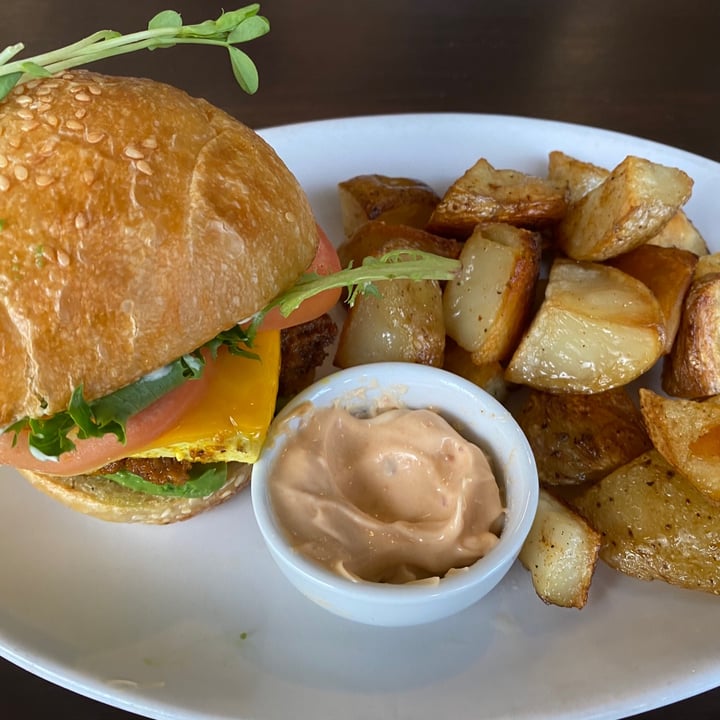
(93,453)
(326,262)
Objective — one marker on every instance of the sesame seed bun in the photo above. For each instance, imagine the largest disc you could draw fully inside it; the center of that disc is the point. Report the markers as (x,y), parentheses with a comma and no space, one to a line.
(137,224)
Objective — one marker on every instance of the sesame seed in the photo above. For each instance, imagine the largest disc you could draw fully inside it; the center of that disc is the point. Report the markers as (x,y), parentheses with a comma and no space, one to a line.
(44,90)
(3,161)
(63,259)
(80,221)
(67,76)
(4,183)
(88,176)
(14,141)
(133,153)
(94,137)
(43,180)
(81,113)
(29,125)
(51,120)
(48,147)
(23,100)
(74,125)
(43,107)
(143,167)
(25,114)
(94,89)
(32,84)
(82,97)
(21,172)
(149,143)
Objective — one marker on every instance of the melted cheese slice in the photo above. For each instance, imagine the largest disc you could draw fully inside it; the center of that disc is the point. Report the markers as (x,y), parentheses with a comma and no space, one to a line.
(230,422)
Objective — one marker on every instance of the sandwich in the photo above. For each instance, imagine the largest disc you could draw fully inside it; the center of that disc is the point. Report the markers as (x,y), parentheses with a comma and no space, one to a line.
(140,230)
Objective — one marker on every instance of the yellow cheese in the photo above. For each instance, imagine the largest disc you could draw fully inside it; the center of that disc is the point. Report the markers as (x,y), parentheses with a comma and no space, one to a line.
(231,421)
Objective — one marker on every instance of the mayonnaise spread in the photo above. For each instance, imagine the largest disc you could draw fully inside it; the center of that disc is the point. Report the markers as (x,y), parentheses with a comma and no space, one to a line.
(396,498)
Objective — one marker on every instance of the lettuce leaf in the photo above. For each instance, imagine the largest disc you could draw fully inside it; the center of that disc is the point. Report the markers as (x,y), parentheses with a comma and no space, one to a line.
(204,480)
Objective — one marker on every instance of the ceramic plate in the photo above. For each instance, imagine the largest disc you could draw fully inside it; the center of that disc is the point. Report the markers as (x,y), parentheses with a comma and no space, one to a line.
(195,621)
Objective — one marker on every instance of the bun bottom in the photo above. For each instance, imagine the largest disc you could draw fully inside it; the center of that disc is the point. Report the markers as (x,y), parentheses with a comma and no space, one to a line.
(107,500)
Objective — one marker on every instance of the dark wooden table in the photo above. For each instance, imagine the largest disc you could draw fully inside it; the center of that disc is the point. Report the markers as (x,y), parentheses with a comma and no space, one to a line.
(641,67)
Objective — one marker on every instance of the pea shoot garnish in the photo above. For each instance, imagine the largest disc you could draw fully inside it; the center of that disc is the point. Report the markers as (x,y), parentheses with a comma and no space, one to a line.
(165,30)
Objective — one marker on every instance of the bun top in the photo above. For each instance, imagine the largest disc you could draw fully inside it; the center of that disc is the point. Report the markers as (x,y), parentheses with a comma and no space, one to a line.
(136,223)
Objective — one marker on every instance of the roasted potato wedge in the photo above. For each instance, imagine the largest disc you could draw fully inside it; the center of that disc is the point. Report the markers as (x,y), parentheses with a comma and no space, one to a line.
(561,553)
(627,209)
(377,237)
(576,176)
(597,328)
(484,194)
(655,525)
(687,434)
(692,369)
(395,200)
(486,307)
(682,234)
(707,265)
(578,439)
(489,376)
(668,272)
(403,322)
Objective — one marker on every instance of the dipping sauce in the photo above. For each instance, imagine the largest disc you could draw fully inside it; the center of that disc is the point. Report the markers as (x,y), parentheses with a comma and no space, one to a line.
(398,497)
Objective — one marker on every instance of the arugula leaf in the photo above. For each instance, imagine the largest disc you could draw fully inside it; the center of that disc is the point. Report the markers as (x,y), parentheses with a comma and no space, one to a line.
(204,480)
(394,265)
(164,30)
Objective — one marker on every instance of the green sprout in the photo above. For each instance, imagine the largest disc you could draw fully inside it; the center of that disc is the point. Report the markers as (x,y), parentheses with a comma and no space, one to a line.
(165,30)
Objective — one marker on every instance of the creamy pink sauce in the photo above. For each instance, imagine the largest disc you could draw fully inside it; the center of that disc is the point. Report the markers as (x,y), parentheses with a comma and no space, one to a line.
(396,498)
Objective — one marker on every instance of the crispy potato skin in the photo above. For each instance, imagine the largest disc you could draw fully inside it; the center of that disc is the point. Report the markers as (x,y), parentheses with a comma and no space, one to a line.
(668,272)
(627,209)
(396,200)
(486,308)
(485,194)
(692,369)
(403,323)
(680,233)
(489,376)
(655,525)
(377,237)
(597,328)
(576,176)
(687,434)
(561,553)
(580,177)
(579,439)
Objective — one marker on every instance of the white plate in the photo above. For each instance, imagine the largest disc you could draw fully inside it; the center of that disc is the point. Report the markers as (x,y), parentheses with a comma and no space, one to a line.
(195,621)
